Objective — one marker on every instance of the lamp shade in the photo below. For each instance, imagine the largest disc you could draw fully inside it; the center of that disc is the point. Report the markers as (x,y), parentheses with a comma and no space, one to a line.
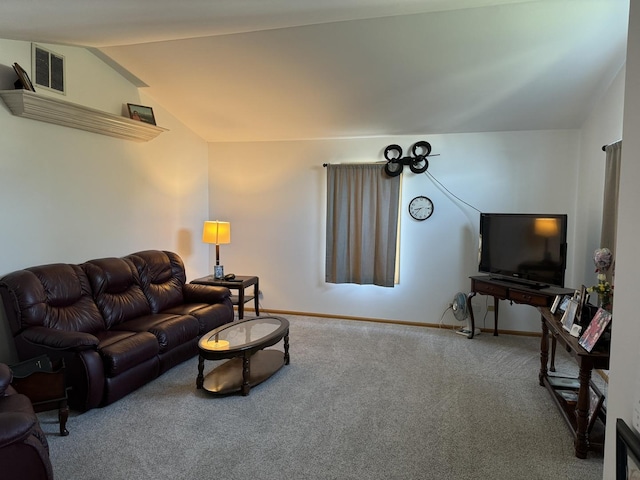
(546,227)
(216,232)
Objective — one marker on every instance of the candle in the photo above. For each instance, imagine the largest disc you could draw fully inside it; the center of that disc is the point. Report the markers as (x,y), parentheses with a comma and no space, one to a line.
(218,345)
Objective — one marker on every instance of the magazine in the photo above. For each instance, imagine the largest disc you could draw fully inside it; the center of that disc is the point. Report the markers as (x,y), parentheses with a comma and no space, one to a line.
(563,382)
(593,332)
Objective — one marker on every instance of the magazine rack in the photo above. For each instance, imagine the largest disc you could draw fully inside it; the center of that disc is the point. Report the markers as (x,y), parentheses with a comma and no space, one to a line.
(585,415)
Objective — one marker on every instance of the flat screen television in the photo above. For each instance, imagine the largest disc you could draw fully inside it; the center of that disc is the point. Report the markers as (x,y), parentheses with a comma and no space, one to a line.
(522,247)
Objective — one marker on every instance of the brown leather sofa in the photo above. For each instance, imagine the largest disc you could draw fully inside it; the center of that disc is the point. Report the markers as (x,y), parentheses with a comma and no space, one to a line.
(118,323)
(24,451)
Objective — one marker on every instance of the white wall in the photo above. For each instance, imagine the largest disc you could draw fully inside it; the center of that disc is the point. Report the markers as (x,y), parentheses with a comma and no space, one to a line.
(604,126)
(625,363)
(273,194)
(70,195)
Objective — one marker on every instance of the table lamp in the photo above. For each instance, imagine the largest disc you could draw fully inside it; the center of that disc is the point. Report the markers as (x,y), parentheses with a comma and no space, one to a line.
(218,233)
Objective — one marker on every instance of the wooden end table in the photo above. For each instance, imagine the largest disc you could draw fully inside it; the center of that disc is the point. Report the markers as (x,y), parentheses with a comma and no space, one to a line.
(240,283)
(43,382)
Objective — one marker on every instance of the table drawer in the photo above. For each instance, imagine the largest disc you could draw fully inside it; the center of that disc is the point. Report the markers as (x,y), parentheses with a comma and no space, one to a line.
(489,289)
(529,298)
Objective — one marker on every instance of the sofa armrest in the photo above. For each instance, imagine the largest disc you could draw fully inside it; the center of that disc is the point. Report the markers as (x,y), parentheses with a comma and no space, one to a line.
(15,426)
(196,293)
(5,378)
(60,339)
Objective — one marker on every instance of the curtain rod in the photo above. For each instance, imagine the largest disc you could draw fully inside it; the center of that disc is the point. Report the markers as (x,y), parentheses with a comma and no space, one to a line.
(355,163)
(604,147)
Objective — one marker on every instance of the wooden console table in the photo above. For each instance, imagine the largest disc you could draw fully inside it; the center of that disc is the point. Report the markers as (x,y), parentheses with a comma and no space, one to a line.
(577,416)
(514,292)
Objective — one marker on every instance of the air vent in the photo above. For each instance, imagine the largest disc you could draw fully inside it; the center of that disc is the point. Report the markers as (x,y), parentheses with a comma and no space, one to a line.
(48,68)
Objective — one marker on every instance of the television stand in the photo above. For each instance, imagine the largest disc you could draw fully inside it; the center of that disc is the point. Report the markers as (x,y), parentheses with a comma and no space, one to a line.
(503,289)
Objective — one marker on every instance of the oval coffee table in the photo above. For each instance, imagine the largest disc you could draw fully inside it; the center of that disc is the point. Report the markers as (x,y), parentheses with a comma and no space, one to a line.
(244,343)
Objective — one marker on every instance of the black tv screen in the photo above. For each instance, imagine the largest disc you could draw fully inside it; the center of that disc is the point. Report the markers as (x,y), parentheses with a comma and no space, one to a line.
(525,247)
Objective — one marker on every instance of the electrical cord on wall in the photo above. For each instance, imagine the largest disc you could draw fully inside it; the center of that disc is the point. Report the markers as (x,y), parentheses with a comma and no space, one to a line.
(434,179)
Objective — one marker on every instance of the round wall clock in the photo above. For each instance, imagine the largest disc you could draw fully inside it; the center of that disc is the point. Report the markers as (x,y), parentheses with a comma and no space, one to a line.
(420,208)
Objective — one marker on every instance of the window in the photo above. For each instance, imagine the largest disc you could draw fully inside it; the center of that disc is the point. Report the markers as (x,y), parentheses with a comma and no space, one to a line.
(362,225)
(48,68)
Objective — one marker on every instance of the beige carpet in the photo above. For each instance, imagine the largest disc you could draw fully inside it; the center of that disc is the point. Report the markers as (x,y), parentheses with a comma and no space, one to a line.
(359,401)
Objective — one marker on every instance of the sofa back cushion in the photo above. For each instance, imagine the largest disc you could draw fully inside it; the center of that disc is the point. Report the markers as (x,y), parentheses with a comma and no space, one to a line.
(55,296)
(116,289)
(162,276)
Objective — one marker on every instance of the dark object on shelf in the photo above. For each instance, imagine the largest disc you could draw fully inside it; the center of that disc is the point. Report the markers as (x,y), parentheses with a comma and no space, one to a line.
(563,382)
(24,451)
(418,163)
(44,384)
(588,312)
(23,82)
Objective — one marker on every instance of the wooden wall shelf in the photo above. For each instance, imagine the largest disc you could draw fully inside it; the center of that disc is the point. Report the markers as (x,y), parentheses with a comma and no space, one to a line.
(24,103)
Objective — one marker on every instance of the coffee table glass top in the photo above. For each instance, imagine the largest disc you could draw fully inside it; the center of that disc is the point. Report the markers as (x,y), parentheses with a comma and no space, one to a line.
(243,334)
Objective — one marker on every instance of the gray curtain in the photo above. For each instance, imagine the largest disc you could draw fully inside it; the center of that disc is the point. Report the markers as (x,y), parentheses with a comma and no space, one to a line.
(362,221)
(610,202)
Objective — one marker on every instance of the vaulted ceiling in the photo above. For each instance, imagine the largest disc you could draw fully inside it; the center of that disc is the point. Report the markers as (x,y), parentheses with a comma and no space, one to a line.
(250,70)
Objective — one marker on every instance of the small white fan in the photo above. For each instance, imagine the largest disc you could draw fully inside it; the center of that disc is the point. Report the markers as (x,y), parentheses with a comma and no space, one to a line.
(461,312)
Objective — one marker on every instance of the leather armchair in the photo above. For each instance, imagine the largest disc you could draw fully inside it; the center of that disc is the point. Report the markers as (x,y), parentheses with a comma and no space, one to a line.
(24,451)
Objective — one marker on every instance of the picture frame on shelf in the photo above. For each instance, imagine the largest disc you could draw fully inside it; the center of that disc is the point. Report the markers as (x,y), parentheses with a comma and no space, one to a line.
(596,400)
(569,315)
(23,82)
(555,304)
(141,113)
(627,452)
(594,331)
(564,302)
(582,300)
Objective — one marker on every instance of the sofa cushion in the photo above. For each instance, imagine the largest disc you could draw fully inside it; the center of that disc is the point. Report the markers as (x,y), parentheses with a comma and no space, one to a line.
(162,276)
(209,316)
(55,296)
(170,330)
(116,289)
(121,351)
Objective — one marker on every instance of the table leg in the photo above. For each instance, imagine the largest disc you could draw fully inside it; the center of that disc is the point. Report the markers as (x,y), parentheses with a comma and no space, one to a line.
(286,349)
(63,415)
(200,378)
(473,320)
(544,352)
(256,299)
(496,305)
(241,302)
(246,371)
(582,412)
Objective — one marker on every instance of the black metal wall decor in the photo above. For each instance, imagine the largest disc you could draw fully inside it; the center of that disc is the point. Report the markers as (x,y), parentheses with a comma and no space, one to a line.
(396,162)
